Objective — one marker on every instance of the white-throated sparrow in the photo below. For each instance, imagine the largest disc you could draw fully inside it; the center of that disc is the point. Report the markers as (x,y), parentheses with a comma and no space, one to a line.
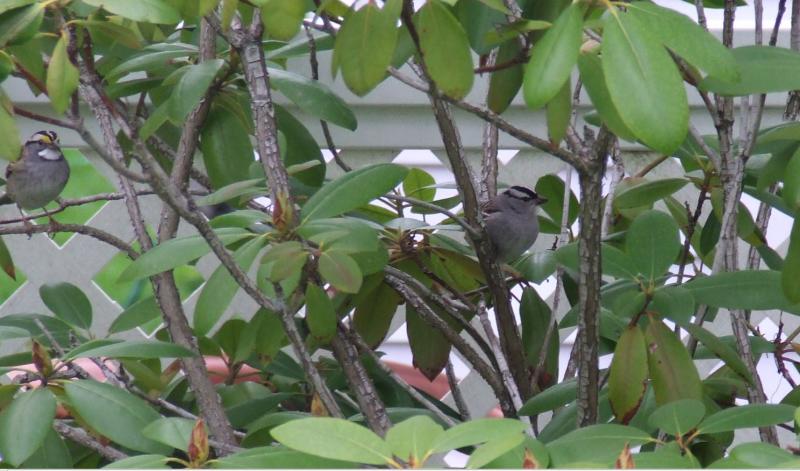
(511,221)
(39,175)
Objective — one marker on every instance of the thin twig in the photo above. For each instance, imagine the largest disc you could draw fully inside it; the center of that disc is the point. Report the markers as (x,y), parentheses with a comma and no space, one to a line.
(455,391)
(81,437)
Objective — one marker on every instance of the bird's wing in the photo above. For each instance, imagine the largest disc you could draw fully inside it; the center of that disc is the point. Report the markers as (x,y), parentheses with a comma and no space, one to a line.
(489,207)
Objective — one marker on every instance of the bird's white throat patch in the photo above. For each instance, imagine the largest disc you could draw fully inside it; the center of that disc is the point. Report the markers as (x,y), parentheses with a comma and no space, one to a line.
(50,154)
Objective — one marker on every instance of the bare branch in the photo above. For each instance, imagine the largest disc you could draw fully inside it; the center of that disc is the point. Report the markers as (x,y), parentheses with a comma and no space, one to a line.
(81,437)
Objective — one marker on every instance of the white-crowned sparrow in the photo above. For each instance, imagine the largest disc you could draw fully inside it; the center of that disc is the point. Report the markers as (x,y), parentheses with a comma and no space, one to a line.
(511,221)
(39,175)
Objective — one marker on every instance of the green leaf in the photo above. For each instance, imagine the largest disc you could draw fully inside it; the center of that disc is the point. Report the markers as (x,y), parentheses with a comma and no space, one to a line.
(24,425)
(514,458)
(591,70)
(677,418)
(535,317)
(282,18)
(115,413)
(445,49)
(352,190)
(341,271)
(747,416)
(762,455)
(419,184)
(277,457)
(313,97)
(337,439)
(320,315)
(220,288)
(234,190)
(430,350)
(18,26)
(364,48)
(688,39)
(790,275)
(594,444)
(373,316)
(477,431)
(191,88)
(672,370)
(140,462)
(108,31)
(68,303)
(148,11)
(300,148)
(227,152)
(130,349)
(412,439)
(152,58)
(176,252)
(627,380)
(135,315)
(504,84)
(171,431)
(644,84)
(12,4)
(652,242)
(9,134)
(553,57)
(791,182)
(6,262)
(559,113)
(62,77)
(552,187)
(646,192)
(492,450)
(556,396)
(478,19)
(53,453)
(722,350)
(762,70)
(746,289)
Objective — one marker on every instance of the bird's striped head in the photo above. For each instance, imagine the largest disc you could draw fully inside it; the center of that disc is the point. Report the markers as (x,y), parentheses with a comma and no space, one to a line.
(45,137)
(525,194)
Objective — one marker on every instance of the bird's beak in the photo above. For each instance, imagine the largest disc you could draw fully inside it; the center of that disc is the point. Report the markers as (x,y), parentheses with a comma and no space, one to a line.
(540,200)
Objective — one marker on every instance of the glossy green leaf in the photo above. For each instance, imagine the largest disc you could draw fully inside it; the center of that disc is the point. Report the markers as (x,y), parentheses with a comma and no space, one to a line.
(110,31)
(128,349)
(24,424)
(678,417)
(20,24)
(504,84)
(721,349)
(115,413)
(68,303)
(277,457)
(761,70)
(553,57)
(62,77)
(364,47)
(493,449)
(672,371)
(790,275)
(477,431)
(627,380)
(282,18)
(552,187)
(148,11)
(140,462)
(352,190)
(559,113)
(646,192)
(6,262)
(373,316)
(412,439)
(341,271)
(419,184)
(333,438)
(745,289)
(191,88)
(591,70)
(594,444)
(515,457)
(9,134)
(556,396)
(535,317)
(652,242)
(300,149)
(644,83)
(445,49)
(220,288)
(52,453)
(747,416)
(314,98)
(478,18)
(12,4)
(141,312)
(762,455)
(152,58)
(320,315)
(430,350)
(176,252)
(688,39)
(171,431)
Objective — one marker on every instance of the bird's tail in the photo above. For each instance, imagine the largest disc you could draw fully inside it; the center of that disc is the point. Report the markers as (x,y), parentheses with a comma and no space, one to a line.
(5,199)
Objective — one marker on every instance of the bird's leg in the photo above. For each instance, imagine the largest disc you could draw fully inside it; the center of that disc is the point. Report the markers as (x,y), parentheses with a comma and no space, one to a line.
(26,222)
(52,222)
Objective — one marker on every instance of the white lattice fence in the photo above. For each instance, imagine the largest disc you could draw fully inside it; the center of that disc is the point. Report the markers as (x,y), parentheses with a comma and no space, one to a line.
(395,124)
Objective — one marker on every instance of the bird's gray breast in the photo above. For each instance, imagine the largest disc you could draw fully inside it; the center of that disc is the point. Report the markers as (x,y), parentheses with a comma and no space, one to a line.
(38,182)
